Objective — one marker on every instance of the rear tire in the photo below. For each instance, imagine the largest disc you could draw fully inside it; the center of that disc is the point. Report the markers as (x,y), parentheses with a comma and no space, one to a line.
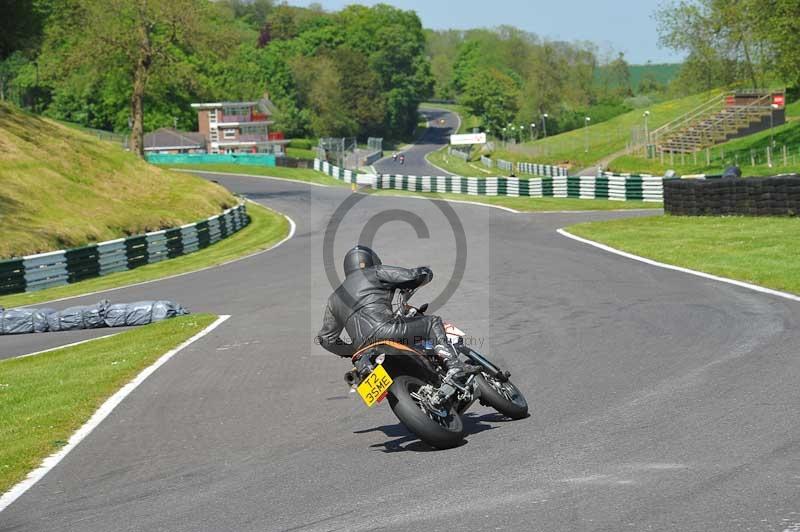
(437,431)
(502,396)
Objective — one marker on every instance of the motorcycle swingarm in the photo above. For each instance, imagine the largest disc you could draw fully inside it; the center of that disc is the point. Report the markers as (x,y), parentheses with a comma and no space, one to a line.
(482,361)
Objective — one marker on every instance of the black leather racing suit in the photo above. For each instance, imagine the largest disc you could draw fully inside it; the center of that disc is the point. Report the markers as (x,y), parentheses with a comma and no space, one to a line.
(362,305)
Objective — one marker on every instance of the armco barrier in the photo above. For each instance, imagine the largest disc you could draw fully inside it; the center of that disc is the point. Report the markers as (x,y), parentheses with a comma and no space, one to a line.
(605,186)
(56,268)
(752,196)
(335,172)
(542,170)
(508,166)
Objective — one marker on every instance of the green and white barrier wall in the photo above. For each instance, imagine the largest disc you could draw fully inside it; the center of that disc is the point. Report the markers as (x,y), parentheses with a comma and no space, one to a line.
(604,186)
(44,270)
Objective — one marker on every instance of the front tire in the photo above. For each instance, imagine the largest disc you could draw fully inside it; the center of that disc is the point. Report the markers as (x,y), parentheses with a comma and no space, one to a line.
(502,396)
(441,432)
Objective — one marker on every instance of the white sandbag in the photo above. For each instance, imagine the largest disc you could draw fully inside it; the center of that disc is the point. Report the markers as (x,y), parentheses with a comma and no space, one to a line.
(23,321)
(141,313)
(82,317)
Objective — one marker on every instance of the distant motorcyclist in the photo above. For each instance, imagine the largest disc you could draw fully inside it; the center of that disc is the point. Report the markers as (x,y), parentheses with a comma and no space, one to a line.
(402,159)
(362,305)
(394,156)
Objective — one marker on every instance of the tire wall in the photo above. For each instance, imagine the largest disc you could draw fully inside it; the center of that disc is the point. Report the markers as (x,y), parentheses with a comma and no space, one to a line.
(753,196)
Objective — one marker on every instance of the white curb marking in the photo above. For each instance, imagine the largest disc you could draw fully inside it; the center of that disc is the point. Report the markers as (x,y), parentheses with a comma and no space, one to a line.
(434,198)
(64,346)
(260,176)
(105,409)
(651,262)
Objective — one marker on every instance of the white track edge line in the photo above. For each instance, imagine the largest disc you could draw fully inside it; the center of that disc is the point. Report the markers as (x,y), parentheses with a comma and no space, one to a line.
(100,414)
(59,347)
(292,229)
(434,198)
(652,262)
(209,172)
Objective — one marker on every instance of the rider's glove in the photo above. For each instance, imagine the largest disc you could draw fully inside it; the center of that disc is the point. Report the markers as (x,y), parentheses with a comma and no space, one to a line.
(427,274)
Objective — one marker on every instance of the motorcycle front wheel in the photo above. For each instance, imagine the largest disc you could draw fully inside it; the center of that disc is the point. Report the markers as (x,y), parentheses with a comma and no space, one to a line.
(502,396)
(439,431)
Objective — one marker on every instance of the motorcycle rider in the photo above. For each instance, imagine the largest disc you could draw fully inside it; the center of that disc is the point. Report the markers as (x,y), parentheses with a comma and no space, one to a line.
(362,305)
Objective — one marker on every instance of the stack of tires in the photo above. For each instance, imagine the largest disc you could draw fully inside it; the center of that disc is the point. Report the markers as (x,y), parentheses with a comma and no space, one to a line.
(755,196)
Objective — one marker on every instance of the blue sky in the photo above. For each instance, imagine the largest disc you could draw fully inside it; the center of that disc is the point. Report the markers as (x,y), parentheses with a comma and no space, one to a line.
(625,26)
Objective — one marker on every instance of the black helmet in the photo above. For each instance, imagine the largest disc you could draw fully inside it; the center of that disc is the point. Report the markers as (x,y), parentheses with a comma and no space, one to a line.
(358,258)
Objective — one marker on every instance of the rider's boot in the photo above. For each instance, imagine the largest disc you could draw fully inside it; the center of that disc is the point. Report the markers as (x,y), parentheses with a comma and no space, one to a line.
(456,369)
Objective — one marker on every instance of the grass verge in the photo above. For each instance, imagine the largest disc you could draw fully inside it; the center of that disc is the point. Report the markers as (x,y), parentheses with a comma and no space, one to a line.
(61,188)
(44,399)
(265,229)
(742,152)
(458,166)
(758,250)
(300,153)
(532,204)
(604,138)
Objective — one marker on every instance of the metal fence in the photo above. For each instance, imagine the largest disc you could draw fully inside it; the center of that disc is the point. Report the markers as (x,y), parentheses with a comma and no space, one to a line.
(56,268)
(777,156)
(455,152)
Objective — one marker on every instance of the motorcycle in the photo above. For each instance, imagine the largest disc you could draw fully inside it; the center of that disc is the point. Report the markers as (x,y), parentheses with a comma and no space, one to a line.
(419,392)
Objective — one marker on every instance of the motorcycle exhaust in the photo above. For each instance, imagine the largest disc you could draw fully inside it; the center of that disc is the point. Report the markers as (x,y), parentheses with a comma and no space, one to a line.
(352,377)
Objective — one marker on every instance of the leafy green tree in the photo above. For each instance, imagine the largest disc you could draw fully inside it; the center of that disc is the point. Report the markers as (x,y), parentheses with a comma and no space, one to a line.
(721,39)
(22,24)
(365,103)
(777,23)
(467,64)
(649,84)
(492,95)
(136,41)
(319,83)
(620,76)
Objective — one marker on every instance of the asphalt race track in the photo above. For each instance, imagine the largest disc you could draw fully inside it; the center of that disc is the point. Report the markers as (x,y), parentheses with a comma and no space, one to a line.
(435,136)
(659,400)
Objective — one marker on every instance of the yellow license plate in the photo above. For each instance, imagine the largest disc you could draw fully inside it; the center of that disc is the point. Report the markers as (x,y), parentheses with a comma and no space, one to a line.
(375,387)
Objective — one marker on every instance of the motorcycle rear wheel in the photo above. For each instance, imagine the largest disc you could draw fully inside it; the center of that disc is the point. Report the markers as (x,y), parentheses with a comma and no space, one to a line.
(441,432)
(502,396)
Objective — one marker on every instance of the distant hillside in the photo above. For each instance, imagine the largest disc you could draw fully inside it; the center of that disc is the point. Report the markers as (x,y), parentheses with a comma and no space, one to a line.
(62,188)
(663,73)
(604,139)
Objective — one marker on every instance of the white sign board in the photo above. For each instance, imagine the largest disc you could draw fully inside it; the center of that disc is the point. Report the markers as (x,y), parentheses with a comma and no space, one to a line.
(470,138)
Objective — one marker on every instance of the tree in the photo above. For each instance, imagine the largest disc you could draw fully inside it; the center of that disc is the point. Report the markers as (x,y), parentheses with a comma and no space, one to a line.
(649,84)
(137,38)
(721,38)
(620,76)
(22,24)
(778,25)
(320,84)
(492,95)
